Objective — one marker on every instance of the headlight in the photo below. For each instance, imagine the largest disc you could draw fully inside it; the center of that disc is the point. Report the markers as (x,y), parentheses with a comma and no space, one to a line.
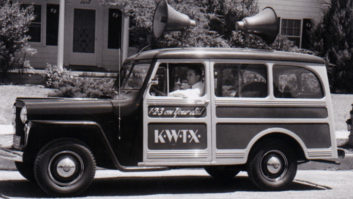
(23,114)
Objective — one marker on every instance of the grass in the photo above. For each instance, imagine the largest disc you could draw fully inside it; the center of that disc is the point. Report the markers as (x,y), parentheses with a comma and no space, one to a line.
(10,92)
(342,105)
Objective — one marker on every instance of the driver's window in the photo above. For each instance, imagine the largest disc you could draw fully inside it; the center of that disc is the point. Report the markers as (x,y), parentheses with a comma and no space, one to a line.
(179,80)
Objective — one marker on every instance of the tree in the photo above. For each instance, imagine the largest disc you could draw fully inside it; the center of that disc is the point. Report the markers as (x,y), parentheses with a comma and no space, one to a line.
(215,24)
(333,40)
(14,24)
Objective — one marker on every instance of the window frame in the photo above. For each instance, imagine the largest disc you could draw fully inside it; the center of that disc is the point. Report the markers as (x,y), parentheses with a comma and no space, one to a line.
(293,36)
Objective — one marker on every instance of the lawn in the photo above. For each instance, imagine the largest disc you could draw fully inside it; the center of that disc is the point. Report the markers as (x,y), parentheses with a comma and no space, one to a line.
(10,92)
(342,105)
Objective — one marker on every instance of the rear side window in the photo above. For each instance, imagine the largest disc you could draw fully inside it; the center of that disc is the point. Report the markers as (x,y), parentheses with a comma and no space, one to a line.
(296,82)
(240,80)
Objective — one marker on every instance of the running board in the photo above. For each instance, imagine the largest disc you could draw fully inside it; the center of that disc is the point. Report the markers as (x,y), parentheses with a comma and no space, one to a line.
(140,168)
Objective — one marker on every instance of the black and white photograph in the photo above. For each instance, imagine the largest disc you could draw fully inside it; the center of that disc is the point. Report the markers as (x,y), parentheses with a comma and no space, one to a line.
(211,99)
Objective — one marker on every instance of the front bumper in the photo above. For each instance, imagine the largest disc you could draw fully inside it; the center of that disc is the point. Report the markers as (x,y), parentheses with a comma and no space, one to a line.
(11,154)
(7,148)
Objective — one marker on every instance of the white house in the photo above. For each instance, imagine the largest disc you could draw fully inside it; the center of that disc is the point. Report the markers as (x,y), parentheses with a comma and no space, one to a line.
(297,16)
(96,36)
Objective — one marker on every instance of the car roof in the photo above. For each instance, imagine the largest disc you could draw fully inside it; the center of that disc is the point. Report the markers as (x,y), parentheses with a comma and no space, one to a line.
(225,53)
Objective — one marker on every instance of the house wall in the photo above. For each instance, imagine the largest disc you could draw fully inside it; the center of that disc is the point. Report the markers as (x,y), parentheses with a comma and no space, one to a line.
(301,15)
(103,57)
(296,9)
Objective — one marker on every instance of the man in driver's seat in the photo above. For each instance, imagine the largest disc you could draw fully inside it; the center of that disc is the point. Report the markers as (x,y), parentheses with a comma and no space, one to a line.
(195,87)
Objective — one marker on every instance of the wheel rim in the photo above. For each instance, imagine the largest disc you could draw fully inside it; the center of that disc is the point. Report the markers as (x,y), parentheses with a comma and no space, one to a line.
(65,168)
(274,165)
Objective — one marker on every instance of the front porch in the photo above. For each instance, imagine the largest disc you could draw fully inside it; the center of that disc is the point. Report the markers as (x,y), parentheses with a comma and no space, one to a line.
(78,34)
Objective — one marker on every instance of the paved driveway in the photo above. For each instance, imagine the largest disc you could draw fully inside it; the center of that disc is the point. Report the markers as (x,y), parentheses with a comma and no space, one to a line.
(194,183)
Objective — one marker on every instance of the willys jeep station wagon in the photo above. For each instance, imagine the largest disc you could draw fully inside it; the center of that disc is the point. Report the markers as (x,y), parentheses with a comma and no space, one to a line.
(260,111)
(224,110)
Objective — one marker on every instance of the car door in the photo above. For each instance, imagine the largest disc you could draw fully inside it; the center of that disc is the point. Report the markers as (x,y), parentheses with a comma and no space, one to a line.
(177,122)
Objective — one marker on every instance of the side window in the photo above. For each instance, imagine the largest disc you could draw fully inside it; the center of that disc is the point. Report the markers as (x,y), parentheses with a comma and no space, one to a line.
(296,82)
(240,80)
(179,80)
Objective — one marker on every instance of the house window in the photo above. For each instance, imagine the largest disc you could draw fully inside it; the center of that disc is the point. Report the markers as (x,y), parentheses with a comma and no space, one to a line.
(35,27)
(291,28)
(52,24)
(114,29)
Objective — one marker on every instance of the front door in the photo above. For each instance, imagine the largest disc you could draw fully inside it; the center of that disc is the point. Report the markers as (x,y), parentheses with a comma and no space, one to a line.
(177,114)
(84,37)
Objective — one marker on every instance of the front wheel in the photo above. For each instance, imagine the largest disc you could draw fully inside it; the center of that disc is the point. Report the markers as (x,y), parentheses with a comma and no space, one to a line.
(272,166)
(64,168)
(26,170)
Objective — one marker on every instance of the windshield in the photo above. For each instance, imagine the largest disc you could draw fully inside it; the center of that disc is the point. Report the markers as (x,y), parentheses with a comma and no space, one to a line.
(133,76)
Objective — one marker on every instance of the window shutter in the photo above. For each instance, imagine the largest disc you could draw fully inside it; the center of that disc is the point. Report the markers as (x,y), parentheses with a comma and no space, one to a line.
(307,26)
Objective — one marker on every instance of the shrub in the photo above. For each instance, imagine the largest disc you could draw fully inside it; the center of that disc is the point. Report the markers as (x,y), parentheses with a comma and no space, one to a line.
(333,40)
(67,85)
(14,24)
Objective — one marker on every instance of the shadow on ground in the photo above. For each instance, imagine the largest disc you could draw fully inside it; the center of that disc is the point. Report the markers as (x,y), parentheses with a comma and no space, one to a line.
(138,186)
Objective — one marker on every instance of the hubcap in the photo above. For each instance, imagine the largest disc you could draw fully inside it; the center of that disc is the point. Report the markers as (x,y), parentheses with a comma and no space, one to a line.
(274,165)
(66,167)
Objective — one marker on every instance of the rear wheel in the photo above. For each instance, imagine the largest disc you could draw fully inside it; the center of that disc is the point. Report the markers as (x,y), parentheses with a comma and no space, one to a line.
(223,172)
(64,168)
(272,166)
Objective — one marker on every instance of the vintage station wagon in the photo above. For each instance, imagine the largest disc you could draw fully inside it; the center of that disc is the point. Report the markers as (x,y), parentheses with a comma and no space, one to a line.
(260,111)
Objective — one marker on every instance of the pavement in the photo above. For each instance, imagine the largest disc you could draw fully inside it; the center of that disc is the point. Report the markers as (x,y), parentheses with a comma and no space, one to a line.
(6,129)
(189,184)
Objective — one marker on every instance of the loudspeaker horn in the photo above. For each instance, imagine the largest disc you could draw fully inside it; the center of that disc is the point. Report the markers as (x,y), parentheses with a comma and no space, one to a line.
(166,18)
(264,24)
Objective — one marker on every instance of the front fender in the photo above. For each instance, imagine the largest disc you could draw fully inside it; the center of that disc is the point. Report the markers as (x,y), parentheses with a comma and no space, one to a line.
(90,132)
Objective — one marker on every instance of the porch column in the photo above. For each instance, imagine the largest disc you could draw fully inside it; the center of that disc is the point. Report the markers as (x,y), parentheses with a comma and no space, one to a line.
(60,61)
(124,39)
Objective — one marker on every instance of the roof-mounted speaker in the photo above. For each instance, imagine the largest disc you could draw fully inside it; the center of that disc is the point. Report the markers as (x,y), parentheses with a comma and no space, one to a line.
(166,18)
